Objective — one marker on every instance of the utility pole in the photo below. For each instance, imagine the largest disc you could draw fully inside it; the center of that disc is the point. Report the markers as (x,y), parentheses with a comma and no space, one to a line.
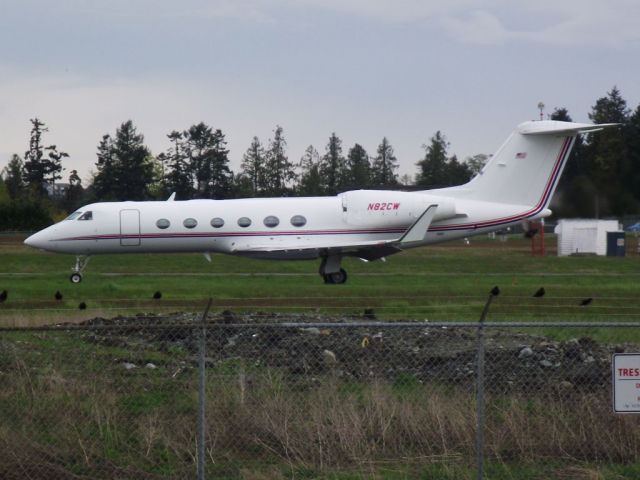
(541,108)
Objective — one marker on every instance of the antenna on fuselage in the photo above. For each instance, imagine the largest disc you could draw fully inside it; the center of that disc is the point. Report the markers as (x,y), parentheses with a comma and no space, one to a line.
(172,197)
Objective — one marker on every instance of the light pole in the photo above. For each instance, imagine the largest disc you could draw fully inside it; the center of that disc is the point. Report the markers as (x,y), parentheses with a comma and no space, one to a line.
(541,108)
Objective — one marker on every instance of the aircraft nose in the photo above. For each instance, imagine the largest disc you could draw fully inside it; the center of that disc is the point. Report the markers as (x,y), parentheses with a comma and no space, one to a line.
(38,240)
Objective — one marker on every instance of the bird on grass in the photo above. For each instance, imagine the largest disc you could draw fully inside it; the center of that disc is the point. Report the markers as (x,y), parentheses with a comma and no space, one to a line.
(3,296)
(82,306)
(495,291)
(586,301)
(539,293)
(157,295)
(58,295)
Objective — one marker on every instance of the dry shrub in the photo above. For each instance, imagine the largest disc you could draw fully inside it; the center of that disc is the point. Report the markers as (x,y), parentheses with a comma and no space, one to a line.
(580,428)
(336,423)
(65,421)
(577,473)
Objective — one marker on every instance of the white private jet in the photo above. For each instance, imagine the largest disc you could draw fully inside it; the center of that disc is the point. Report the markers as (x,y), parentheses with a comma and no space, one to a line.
(515,186)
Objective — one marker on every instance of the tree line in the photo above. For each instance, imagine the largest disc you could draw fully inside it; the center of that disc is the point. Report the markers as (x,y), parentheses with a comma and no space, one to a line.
(600,178)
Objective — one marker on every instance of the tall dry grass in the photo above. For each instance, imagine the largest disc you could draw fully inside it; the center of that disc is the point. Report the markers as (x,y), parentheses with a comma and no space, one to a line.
(82,420)
(333,424)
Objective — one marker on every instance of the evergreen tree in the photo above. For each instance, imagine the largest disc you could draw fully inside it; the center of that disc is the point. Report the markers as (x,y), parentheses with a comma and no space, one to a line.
(221,175)
(458,173)
(208,157)
(310,183)
(242,187)
(384,165)
(74,194)
(432,168)
(358,168)
(179,176)
(280,171)
(12,174)
(606,154)
(333,166)
(406,180)
(4,193)
(436,170)
(476,163)
(107,177)
(125,170)
(254,167)
(575,193)
(38,168)
(632,178)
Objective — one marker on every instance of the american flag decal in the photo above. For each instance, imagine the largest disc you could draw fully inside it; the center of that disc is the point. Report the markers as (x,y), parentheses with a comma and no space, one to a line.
(521,155)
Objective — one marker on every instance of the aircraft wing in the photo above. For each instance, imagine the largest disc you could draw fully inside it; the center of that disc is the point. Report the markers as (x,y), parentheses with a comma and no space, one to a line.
(367,250)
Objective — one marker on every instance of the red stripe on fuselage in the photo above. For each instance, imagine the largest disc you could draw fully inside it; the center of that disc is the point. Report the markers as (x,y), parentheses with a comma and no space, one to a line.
(461,226)
(514,218)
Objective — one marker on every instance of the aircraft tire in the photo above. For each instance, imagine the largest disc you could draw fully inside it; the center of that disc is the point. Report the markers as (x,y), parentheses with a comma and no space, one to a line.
(75,278)
(338,277)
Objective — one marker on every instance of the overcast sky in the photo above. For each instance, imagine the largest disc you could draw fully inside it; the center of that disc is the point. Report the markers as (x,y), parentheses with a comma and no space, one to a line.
(362,68)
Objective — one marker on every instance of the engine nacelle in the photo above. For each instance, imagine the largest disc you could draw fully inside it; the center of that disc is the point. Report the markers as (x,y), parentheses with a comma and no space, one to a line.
(376,207)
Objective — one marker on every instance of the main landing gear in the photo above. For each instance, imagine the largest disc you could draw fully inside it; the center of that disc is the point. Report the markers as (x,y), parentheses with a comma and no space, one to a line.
(81,263)
(330,270)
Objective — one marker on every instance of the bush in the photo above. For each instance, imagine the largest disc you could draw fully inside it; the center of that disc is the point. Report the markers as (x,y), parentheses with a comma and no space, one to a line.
(24,215)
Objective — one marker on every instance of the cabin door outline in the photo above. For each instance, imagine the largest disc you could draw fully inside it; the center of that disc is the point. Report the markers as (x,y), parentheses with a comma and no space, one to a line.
(130,228)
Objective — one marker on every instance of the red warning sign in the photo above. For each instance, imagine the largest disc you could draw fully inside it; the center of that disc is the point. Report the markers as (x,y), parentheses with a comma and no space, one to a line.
(626,382)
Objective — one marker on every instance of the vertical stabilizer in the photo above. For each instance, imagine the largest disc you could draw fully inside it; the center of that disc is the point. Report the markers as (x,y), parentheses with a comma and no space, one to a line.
(526,168)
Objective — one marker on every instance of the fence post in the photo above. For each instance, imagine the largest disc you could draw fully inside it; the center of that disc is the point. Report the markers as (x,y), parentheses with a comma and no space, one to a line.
(202,391)
(495,291)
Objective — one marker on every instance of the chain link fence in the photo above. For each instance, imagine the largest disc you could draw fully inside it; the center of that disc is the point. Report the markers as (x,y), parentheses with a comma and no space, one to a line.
(309,396)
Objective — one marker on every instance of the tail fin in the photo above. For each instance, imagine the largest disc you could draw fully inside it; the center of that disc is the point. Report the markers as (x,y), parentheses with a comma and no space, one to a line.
(526,168)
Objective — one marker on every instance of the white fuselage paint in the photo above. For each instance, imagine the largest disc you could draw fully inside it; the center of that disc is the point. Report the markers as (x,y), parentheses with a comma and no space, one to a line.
(352,217)
(515,186)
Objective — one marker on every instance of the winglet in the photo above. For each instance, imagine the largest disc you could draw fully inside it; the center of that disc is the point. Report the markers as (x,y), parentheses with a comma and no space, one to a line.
(418,231)
(172,197)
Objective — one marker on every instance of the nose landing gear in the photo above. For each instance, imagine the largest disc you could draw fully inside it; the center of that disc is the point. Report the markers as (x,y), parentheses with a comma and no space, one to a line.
(81,263)
(330,270)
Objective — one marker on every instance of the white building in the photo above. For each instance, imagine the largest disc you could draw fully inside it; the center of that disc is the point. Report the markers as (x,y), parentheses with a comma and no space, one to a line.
(584,236)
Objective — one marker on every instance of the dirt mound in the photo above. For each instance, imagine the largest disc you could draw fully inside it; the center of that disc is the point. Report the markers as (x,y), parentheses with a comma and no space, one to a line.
(515,361)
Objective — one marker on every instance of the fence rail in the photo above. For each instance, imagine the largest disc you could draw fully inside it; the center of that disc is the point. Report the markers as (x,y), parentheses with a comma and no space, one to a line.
(253,396)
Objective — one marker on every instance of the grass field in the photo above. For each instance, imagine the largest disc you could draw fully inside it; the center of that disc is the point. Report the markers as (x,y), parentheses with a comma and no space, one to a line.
(444,282)
(69,409)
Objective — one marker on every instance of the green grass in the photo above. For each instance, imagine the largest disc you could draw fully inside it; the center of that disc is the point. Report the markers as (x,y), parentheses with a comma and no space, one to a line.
(73,400)
(443,282)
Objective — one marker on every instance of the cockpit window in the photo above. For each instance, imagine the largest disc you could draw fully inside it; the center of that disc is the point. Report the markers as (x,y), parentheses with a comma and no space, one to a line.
(86,216)
(73,216)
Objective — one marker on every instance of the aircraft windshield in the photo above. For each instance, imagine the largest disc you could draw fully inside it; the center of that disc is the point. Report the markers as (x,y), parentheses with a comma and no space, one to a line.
(86,216)
(73,216)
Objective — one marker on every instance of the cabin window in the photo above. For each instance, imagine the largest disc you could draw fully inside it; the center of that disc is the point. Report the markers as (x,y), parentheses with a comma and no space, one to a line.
(73,216)
(298,221)
(271,221)
(244,222)
(190,222)
(163,223)
(86,216)
(217,222)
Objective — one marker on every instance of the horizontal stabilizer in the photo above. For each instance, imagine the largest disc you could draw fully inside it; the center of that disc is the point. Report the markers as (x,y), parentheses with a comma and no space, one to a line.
(554,127)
